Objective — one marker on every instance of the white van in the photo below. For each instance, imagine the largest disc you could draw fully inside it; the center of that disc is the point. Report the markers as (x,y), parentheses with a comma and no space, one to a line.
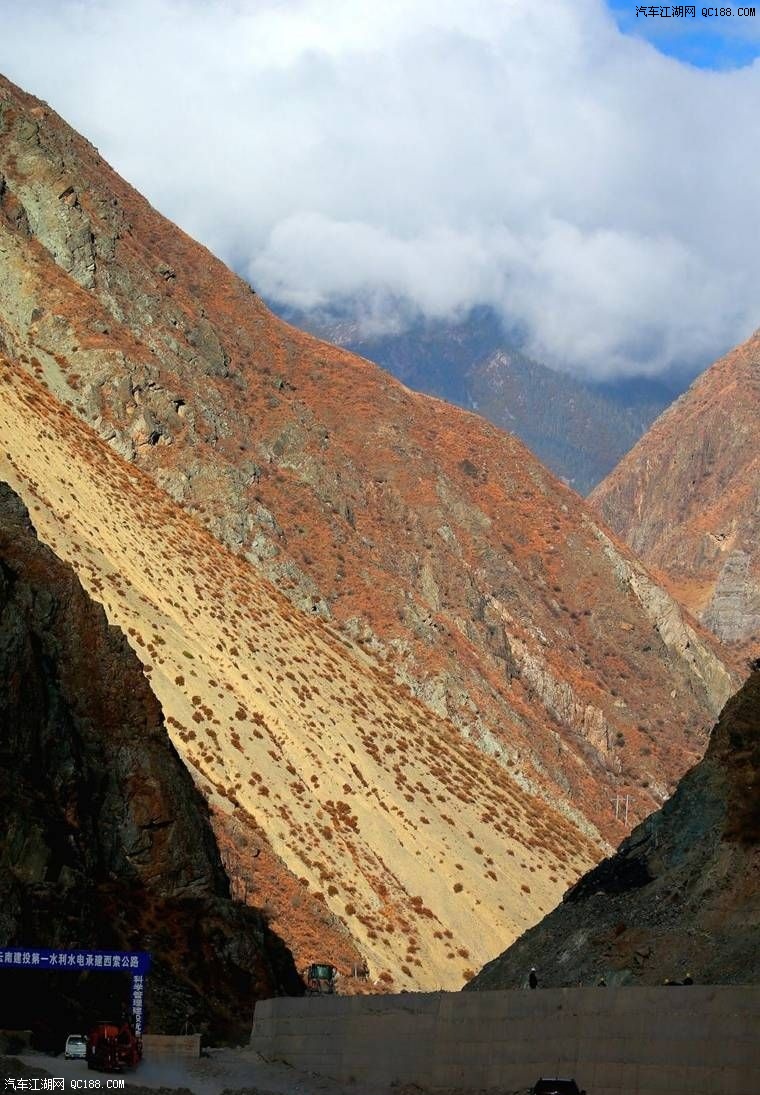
(76,1046)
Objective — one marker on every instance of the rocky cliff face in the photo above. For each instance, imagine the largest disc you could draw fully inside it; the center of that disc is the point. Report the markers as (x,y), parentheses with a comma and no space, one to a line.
(687,497)
(105,840)
(431,539)
(681,895)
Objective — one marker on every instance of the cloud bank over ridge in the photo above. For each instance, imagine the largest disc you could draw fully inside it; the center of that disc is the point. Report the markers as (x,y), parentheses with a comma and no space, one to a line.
(525,156)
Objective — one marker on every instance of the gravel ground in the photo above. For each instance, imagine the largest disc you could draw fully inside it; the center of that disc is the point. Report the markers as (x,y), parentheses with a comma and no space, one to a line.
(223,1070)
(231,1071)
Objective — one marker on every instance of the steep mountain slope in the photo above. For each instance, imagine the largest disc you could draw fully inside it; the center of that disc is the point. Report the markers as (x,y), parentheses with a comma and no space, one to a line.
(687,497)
(580,429)
(433,357)
(429,852)
(428,537)
(681,895)
(105,841)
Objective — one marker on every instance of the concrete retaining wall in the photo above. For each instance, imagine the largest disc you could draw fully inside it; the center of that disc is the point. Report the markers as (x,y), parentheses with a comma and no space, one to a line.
(163,1046)
(694,1040)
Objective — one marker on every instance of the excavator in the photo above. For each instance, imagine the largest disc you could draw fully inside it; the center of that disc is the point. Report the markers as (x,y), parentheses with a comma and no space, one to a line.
(320,979)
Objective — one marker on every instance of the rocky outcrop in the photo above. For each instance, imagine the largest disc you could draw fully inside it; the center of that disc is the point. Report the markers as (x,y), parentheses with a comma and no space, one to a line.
(733,611)
(105,840)
(687,497)
(671,625)
(681,895)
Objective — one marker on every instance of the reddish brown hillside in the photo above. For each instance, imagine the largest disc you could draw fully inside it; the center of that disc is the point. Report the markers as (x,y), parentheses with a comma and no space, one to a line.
(427,854)
(434,540)
(687,497)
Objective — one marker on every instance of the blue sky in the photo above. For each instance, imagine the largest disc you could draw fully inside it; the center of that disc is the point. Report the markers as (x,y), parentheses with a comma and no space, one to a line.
(708,42)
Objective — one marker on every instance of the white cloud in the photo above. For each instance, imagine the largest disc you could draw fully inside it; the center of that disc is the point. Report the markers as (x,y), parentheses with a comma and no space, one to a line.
(440,154)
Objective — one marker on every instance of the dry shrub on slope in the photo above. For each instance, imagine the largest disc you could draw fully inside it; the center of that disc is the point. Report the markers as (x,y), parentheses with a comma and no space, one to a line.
(420,843)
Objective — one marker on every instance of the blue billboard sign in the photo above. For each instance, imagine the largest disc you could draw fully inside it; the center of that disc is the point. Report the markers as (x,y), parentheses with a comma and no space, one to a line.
(135,963)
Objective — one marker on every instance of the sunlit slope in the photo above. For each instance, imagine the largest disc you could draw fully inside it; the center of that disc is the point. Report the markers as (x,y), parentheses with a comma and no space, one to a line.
(687,497)
(427,849)
(430,537)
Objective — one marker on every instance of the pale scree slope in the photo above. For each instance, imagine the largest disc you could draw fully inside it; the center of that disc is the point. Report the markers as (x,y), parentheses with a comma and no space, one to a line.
(428,850)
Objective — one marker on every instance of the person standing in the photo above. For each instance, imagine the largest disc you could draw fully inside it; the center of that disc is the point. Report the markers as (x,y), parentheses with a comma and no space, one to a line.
(533,978)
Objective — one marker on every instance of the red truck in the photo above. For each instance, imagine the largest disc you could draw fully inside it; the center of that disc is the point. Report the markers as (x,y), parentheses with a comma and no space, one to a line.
(113,1047)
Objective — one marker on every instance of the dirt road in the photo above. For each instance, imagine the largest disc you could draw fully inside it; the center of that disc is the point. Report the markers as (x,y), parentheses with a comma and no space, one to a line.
(224,1070)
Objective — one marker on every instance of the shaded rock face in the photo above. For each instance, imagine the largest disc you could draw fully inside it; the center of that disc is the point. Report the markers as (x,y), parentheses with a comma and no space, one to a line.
(687,497)
(105,841)
(682,893)
(433,540)
(733,611)
(259,877)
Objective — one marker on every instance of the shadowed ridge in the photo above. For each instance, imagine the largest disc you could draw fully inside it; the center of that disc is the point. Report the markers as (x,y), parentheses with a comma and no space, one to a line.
(681,895)
(105,842)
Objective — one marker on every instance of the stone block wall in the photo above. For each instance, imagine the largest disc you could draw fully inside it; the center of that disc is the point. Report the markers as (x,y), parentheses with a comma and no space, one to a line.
(694,1040)
(164,1046)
